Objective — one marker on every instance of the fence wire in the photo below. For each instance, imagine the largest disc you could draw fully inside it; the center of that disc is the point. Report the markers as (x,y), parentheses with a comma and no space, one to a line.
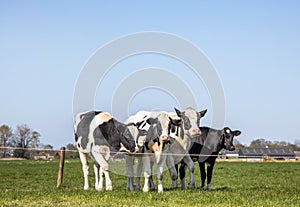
(113,153)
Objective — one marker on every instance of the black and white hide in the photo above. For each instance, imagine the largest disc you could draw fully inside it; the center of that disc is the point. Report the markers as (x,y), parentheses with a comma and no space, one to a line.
(155,147)
(181,143)
(98,134)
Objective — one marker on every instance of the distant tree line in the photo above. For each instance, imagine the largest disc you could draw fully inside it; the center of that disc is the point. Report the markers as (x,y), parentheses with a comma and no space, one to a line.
(263,143)
(23,139)
(18,142)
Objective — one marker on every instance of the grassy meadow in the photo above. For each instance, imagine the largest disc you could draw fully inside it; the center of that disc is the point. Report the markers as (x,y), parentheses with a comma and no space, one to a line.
(33,183)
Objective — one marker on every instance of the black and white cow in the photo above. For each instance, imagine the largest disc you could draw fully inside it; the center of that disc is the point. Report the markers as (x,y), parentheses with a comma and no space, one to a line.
(142,120)
(207,147)
(181,138)
(98,134)
(182,142)
(156,145)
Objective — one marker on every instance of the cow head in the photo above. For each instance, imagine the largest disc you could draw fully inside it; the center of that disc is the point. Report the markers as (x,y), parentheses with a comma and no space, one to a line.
(129,135)
(137,134)
(159,131)
(191,121)
(228,136)
(160,127)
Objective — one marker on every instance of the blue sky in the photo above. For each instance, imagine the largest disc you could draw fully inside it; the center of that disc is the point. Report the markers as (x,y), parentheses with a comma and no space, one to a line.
(254,46)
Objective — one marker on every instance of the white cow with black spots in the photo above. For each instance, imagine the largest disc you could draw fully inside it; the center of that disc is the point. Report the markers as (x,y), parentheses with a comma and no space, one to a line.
(97,134)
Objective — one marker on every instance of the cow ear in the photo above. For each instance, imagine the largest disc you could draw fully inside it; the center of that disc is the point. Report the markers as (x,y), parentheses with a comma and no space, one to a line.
(202,113)
(237,132)
(179,113)
(176,122)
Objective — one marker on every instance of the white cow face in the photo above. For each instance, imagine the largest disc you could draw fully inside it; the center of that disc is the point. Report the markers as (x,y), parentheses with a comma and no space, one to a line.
(131,132)
(191,121)
(163,126)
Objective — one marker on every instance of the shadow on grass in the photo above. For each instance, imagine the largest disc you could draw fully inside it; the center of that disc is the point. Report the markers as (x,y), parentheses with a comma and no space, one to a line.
(225,188)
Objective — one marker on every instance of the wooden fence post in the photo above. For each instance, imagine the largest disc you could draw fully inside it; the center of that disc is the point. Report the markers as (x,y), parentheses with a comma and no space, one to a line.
(61,166)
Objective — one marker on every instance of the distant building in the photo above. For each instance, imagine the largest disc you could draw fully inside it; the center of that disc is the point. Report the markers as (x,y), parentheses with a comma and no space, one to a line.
(226,154)
(267,153)
(297,154)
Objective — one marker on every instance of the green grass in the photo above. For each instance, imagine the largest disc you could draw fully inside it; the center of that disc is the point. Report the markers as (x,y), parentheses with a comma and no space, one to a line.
(33,183)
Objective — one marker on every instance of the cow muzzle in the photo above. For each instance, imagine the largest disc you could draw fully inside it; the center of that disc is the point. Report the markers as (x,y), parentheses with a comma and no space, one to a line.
(164,138)
(196,131)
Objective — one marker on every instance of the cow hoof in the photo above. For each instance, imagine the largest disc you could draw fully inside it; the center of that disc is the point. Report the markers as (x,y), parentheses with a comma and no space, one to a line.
(192,185)
(109,188)
(131,188)
(85,187)
(99,189)
(206,188)
(145,190)
(160,188)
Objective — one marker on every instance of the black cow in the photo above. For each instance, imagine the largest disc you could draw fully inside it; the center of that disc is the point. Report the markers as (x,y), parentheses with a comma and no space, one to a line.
(97,134)
(207,147)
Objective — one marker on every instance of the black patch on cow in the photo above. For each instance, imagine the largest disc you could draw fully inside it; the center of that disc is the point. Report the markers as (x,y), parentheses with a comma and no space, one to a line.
(107,134)
(141,124)
(76,137)
(124,135)
(97,112)
(83,128)
(144,125)
(101,138)
(186,122)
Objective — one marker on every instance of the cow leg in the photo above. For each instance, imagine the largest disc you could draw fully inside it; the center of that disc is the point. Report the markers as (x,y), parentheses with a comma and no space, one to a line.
(190,165)
(203,174)
(129,183)
(209,175)
(101,179)
(173,170)
(175,176)
(102,161)
(107,180)
(147,172)
(138,173)
(182,170)
(96,172)
(160,169)
(129,171)
(85,169)
(152,185)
